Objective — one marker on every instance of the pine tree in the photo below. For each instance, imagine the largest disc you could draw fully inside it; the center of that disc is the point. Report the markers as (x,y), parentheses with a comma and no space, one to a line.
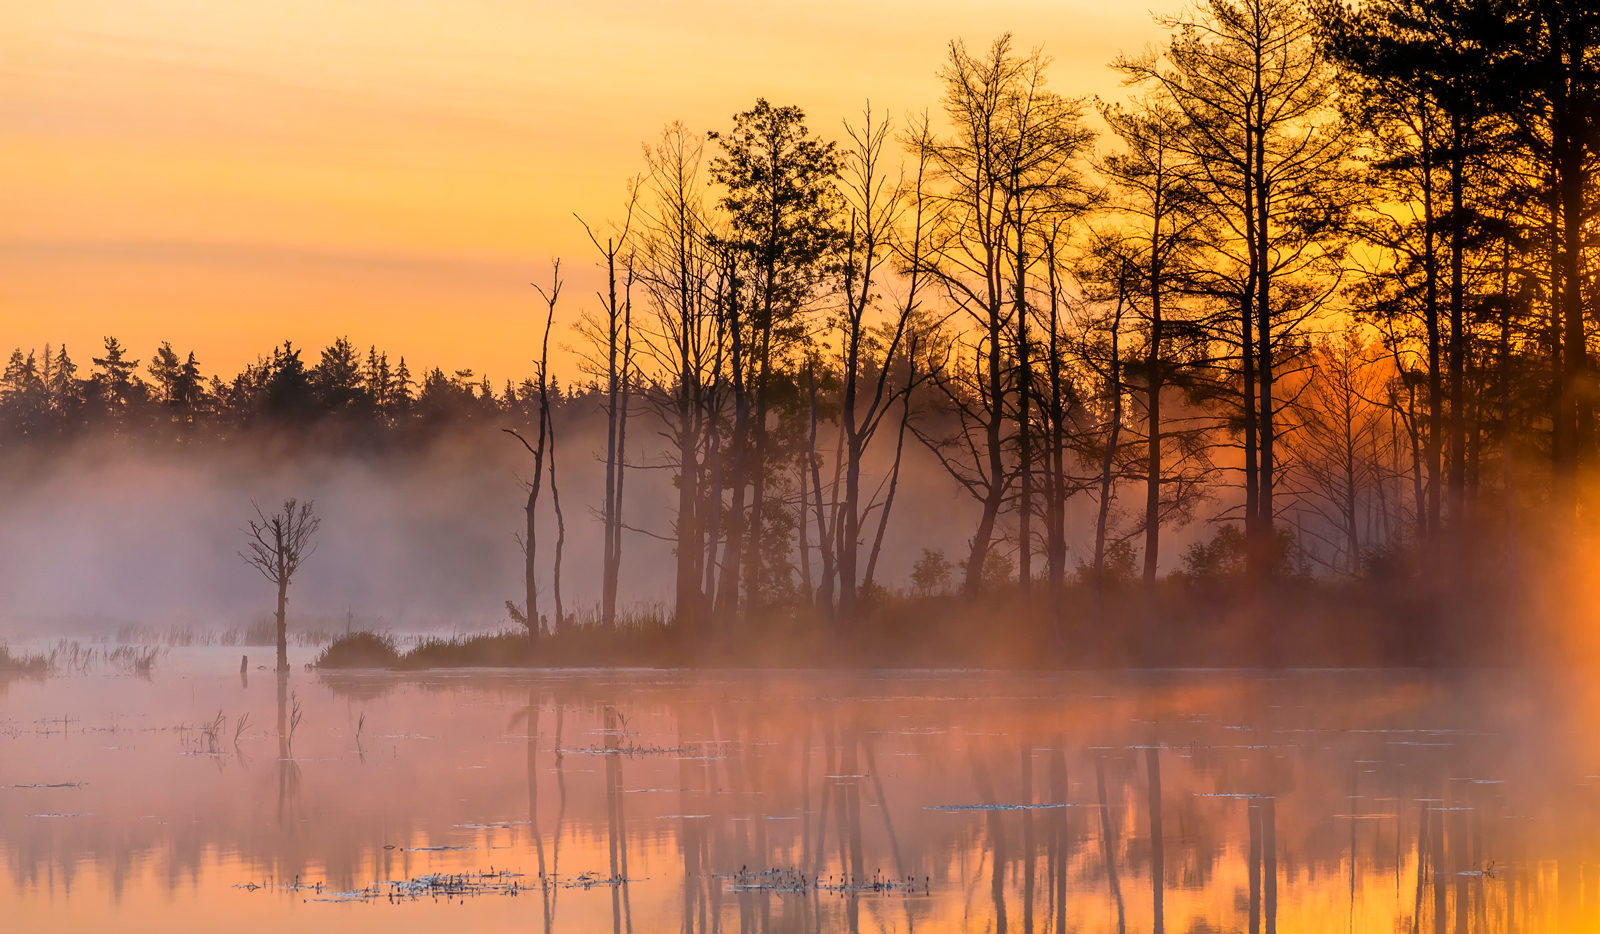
(117,385)
(401,397)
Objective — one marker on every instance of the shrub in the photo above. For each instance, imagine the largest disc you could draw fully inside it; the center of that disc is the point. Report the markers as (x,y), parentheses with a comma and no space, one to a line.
(359,650)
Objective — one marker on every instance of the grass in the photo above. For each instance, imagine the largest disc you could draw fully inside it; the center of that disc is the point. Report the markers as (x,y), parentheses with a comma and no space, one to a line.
(1292,622)
(22,664)
(137,659)
(580,646)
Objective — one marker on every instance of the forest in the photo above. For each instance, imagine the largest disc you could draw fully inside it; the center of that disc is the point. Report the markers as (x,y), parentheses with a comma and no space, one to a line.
(1316,298)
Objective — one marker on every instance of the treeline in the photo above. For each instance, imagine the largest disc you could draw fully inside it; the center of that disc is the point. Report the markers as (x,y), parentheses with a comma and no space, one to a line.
(356,398)
(1324,279)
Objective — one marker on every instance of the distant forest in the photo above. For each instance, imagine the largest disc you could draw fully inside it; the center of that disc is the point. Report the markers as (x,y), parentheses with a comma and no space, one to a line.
(1324,280)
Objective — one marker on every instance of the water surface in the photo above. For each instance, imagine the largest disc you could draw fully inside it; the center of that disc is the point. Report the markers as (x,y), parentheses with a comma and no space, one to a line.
(795,801)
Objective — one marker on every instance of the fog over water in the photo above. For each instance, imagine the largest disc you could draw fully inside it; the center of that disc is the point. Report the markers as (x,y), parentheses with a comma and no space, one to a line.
(111,533)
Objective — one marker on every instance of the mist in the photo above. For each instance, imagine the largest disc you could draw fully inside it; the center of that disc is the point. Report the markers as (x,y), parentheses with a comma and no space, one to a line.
(112,532)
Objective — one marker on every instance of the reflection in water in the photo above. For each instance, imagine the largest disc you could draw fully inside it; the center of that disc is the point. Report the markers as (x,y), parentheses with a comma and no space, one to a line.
(793,802)
(1158,861)
(288,769)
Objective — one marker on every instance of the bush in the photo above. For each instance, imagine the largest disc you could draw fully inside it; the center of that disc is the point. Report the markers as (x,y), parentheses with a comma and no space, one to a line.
(360,650)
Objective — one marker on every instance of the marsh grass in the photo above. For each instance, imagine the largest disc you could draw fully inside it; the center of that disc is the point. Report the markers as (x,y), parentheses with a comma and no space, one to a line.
(262,632)
(580,645)
(204,739)
(1188,620)
(136,659)
(36,665)
(296,714)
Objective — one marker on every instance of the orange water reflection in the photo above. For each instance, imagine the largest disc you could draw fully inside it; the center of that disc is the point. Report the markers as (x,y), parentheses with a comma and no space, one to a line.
(1298,802)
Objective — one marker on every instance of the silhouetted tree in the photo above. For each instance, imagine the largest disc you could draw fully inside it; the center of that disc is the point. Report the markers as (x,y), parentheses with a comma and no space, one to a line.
(615,335)
(680,271)
(1255,87)
(778,197)
(115,384)
(1010,164)
(277,546)
(1159,225)
(530,568)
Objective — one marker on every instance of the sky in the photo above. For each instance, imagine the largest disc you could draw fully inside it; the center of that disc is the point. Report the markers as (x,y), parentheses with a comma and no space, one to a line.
(227,175)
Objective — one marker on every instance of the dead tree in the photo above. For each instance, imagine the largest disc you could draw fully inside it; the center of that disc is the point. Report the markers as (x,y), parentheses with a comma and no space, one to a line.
(1009,165)
(680,271)
(277,546)
(615,334)
(530,567)
(873,204)
(555,500)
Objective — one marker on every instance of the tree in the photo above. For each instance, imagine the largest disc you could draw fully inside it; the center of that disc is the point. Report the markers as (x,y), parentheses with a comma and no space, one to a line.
(277,545)
(544,436)
(778,196)
(179,382)
(24,398)
(1117,275)
(1422,72)
(337,379)
(1545,76)
(1342,453)
(615,335)
(870,346)
(1256,90)
(681,273)
(1009,167)
(1156,205)
(117,384)
(288,394)
(930,574)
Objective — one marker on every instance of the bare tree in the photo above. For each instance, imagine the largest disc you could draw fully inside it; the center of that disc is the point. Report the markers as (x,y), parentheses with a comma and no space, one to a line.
(680,272)
(1009,167)
(872,205)
(615,334)
(530,567)
(1345,452)
(277,546)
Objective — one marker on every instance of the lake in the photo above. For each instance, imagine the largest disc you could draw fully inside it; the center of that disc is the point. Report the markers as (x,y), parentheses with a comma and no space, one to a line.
(202,799)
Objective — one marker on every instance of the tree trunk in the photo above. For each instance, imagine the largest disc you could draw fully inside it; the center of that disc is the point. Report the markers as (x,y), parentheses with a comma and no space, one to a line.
(727,596)
(283,623)
(996,464)
(1108,461)
(1430,519)
(614,555)
(1153,379)
(1264,366)
(850,533)
(530,566)
(1458,313)
(758,481)
(1577,406)
(561,535)
(608,570)
(894,472)
(687,597)
(1024,434)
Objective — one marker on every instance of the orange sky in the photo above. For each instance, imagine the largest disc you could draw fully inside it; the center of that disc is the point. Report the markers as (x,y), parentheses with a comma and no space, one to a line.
(227,174)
